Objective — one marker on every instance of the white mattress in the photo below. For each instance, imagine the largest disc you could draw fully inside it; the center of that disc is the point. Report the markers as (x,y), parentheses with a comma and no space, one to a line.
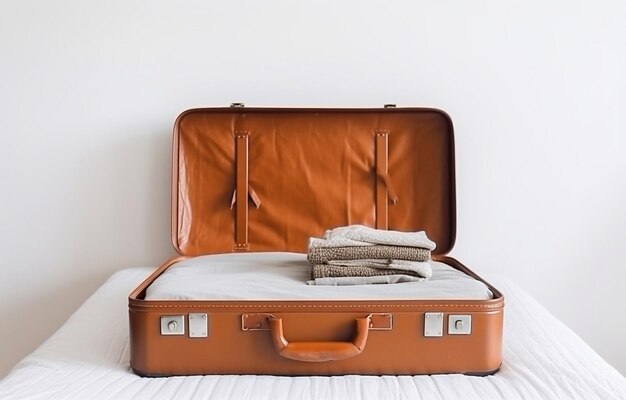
(88,358)
(283,276)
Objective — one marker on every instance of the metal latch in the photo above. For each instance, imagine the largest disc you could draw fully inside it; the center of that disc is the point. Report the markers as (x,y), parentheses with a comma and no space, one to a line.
(389,106)
(237,105)
(433,324)
(381,322)
(459,324)
(173,325)
(198,325)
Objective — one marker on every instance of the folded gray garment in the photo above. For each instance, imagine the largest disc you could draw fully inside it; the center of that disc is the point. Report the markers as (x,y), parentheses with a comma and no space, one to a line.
(334,271)
(319,255)
(362,280)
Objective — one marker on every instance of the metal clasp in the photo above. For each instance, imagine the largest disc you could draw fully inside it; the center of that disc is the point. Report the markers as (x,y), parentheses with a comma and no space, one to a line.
(433,324)
(381,322)
(172,325)
(255,322)
(198,325)
(237,105)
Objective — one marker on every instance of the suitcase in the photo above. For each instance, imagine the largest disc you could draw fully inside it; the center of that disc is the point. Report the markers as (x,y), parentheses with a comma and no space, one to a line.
(247,180)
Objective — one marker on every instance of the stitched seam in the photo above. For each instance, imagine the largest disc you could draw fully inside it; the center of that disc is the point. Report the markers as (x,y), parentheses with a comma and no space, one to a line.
(316,305)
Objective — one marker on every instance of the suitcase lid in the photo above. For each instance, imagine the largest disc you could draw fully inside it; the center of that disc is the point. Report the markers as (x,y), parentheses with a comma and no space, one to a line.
(267,179)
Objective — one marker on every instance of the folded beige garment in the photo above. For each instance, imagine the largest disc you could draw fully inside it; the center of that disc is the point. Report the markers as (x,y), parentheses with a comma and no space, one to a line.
(366,234)
(320,255)
(363,280)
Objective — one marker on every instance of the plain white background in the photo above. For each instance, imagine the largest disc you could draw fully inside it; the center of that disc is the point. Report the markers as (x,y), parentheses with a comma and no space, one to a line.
(89,92)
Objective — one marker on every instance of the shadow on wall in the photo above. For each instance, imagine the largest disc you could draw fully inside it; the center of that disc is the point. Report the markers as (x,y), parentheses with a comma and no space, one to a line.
(111,211)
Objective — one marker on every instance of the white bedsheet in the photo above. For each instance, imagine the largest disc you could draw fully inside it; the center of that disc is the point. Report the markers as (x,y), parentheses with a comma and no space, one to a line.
(88,358)
(283,276)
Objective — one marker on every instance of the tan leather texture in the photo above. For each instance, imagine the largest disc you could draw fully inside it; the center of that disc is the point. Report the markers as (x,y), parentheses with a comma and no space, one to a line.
(268,179)
(399,349)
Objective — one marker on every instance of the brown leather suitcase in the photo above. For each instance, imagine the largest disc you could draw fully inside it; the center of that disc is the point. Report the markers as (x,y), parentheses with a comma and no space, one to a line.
(267,179)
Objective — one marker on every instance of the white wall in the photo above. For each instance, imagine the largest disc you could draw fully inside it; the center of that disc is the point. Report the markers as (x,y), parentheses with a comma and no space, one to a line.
(89,92)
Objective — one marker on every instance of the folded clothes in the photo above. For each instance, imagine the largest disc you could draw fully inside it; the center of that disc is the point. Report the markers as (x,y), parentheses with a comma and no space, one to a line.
(395,271)
(336,242)
(357,255)
(322,271)
(420,268)
(321,254)
(333,271)
(364,234)
(362,280)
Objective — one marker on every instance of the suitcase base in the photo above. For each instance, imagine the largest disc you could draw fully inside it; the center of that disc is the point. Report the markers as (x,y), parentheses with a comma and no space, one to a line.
(372,337)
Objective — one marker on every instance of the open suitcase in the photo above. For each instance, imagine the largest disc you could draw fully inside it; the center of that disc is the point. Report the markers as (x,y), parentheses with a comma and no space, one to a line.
(264,180)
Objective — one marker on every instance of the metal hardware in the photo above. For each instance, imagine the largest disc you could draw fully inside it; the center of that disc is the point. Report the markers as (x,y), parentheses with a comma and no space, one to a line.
(237,105)
(259,322)
(433,324)
(255,322)
(459,324)
(198,325)
(389,106)
(381,322)
(172,325)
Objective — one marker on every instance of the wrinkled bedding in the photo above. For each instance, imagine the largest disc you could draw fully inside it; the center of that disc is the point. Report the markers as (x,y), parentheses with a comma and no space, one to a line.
(88,358)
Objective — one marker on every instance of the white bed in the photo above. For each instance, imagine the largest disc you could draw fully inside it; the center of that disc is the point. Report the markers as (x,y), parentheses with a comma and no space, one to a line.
(88,358)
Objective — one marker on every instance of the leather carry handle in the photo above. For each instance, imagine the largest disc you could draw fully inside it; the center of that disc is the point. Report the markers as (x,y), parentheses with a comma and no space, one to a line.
(319,351)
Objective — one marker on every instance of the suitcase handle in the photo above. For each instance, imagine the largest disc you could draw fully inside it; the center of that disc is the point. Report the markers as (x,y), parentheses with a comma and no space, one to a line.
(319,351)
